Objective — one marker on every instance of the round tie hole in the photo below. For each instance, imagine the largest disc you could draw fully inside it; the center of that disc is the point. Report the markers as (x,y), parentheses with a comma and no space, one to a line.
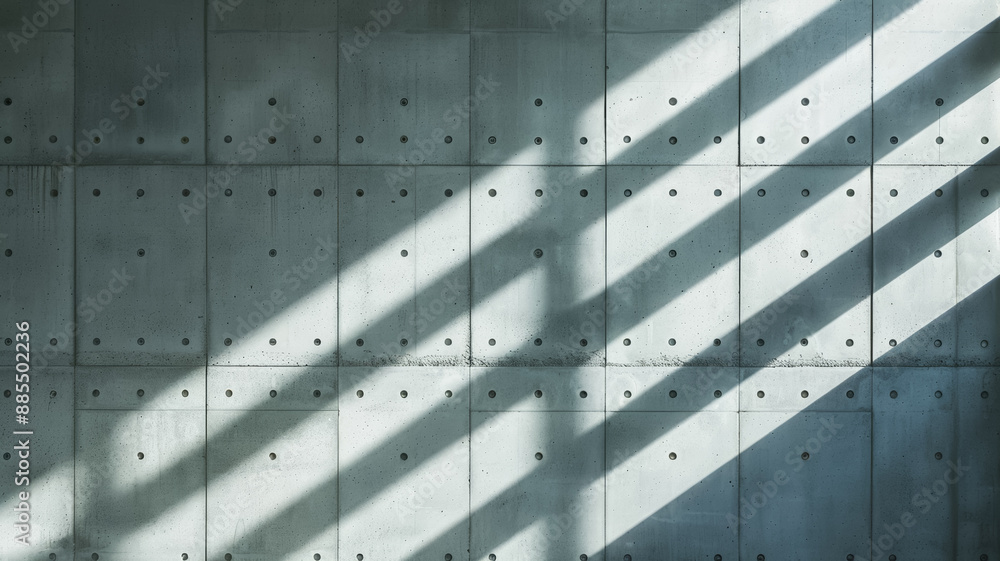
(317,139)
(447,341)
(538,342)
(273,393)
(804,342)
(493,192)
(140,455)
(628,192)
(850,342)
(447,139)
(937,342)
(893,394)
(53,139)
(492,394)
(227,139)
(360,342)
(538,455)
(673,192)
(804,253)
(761,192)
(404,102)
(893,192)
(851,140)
(403,456)
(583,192)
(717,393)
(95,393)
(185,140)
(717,140)
(805,101)
(939,140)
(583,342)
(760,140)
(672,253)
(672,456)
(627,394)
(671,342)
(937,253)
(185,393)
(404,253)
(984,140)
(760,394)
(938,394)
(227,342)
(538,393)
(403,192)
(360,192)
(403,394)
(717,192)
(492,342)
(938,455)
(273,456)
(140,341)
(672,140)
(805,140)
(97,341)
(229,192)
(672,101)
(140,140)
(492,140)
(538,102)
(317,192)
(583,140)
(984,343)
(850,192)
(538,192)
(804,394)
(273,252)
(805,192)
(583,394)
(673,393)
(627,139)
(317,342)
(892,342)
(360,393)
(805,455)
(627,342)
(359,139)
(229,393)
(760,342)
(272,342)
(538,253)
(984,193)
(939,102)
(893,140)
(538,140)
(404,139)
(850,394)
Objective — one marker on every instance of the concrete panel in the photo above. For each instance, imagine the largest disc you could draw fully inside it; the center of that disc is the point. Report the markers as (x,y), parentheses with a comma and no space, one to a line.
(150,51)
(272,485)
(805,266)
(276,388)
(295,71)
(375,17)
(272,266)
(289,15)
(12,12)
(978,532)
(36,88)
(805,82)
(671,484)
(36,279)
(685,388)
(542,98)
(48,453)
(652,15)
(537,485)
(913,314)
(935,81)
(978,275)
(140,274)
(538,246)
(806,389)
(405,99)
(915,449)
(404,466)
(673,267)
(404,266)
(541,16)
(538,389)
(144,388)
(150,506)
(673,90)
(799,472)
